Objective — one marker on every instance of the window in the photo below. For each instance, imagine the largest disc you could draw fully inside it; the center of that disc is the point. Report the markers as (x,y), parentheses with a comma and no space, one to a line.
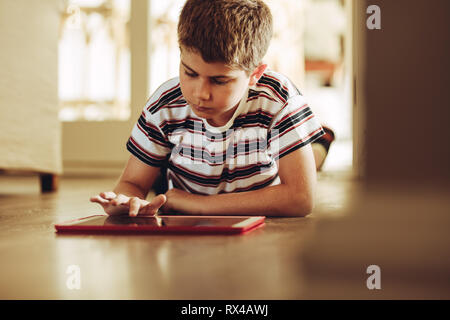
(94,60)
(164,51)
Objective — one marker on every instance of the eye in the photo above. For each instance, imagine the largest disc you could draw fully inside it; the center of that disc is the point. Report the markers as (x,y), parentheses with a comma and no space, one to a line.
(192,75)
(219,82)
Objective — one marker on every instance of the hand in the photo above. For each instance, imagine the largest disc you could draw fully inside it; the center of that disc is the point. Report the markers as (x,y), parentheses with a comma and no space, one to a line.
(115,204)
(179,201)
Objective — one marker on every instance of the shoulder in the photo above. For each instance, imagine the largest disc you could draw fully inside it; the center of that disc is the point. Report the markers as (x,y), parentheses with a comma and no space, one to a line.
(278,85)
(167,93)
(166,103)
(272,93)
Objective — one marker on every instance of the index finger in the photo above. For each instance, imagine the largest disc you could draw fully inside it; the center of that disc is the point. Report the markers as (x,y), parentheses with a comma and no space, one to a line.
(135,205)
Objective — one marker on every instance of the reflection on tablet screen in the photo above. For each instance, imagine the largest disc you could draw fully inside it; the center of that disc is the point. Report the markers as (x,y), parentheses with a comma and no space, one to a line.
(159,221)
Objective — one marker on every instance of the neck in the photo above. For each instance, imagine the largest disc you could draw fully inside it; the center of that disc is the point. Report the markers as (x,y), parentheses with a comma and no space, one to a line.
(223,118)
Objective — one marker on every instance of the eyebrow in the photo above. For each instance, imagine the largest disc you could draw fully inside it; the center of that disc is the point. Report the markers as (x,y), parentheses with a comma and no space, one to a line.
(212,77)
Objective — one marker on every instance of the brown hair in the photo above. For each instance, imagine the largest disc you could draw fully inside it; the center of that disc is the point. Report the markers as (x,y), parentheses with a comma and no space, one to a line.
(235,32)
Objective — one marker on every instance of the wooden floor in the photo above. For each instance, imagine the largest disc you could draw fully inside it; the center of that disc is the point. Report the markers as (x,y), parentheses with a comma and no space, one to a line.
(324,255)
(34,260)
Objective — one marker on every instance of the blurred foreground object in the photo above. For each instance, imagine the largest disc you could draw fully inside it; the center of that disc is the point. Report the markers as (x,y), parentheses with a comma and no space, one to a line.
(400,219)
(402,230)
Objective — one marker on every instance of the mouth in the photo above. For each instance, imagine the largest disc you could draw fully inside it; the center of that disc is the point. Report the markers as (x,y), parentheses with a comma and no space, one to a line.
(200,109)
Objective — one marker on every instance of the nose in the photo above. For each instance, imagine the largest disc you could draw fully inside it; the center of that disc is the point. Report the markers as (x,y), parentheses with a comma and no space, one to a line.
(202,90)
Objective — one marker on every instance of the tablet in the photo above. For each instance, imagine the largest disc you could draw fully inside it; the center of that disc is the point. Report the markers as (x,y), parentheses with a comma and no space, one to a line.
(162,224)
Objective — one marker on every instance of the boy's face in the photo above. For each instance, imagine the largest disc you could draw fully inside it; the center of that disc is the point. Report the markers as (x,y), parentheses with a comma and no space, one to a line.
(213,90)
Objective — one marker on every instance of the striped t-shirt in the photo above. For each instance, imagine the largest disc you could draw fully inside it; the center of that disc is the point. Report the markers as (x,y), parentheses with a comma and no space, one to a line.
(272,120)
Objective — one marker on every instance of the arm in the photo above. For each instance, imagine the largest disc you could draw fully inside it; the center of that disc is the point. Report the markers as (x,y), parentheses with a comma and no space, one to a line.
(131,191)
(136,179)
(293,197)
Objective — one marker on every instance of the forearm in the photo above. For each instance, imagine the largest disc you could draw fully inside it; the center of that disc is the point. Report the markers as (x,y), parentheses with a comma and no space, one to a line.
(130,189)
(277,200)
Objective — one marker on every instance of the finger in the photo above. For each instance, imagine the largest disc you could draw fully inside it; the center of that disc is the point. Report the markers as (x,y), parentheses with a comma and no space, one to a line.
(135,205)
(147,210)
(120,199)
(158,201)
(109,195)
(98,199)
(154,205)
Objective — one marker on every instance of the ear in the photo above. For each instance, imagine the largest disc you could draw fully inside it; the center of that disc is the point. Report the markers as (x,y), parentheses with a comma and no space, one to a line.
(257,73)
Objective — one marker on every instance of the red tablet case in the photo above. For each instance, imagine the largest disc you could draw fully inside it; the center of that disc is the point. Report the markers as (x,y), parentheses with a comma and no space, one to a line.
(69,227)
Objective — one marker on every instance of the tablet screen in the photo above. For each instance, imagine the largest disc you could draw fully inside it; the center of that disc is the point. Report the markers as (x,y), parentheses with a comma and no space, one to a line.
(164,221)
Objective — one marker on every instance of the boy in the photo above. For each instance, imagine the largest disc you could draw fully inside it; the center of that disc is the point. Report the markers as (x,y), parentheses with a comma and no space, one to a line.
(234,137)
